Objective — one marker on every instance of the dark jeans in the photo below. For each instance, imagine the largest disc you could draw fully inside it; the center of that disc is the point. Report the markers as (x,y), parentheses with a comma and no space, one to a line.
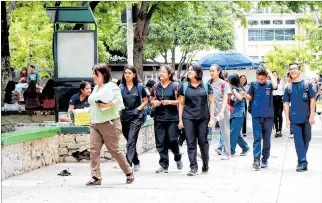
(302,138)
(278,110)
(196,131)
(262,129)
(131,130)
(235,137)
(166,136)
(245,120)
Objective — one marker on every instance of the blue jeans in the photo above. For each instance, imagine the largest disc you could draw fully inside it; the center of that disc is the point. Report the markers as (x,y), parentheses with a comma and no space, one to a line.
(302,138)
(262,130)
(235,137)
(235,127)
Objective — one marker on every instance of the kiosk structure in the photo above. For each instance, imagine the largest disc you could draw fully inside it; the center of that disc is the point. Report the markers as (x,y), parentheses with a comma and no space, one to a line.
(75,51)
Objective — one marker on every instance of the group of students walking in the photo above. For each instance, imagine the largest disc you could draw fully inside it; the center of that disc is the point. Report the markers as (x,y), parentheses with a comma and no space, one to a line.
(193,108)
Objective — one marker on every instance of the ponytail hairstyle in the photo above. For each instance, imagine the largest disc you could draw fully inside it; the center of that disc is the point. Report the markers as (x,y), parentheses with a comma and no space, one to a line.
(219,69)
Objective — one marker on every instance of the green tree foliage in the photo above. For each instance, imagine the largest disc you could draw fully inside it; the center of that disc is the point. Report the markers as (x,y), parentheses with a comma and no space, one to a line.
(31,36)
(194,29)
(279,58)
(312,23)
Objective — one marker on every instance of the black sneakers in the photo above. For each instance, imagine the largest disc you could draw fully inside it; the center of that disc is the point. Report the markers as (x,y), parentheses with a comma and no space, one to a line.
(205,168)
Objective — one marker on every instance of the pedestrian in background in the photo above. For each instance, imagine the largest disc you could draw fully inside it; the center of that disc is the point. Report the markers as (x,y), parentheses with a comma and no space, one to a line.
(244,84)
(278,105)
(196,115)
(300,117)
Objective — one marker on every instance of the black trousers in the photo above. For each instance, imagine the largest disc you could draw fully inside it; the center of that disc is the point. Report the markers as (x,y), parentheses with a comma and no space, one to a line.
(245,120)
(166,136)
(196,130)
(131,131)
(278,112)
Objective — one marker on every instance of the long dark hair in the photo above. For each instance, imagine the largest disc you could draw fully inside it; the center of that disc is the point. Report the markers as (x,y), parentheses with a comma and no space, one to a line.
(24,75)
(136,79)
(245,79)
(32,87)
(198,69)
(219,69)
(48,91)
(8,91)
(233,79)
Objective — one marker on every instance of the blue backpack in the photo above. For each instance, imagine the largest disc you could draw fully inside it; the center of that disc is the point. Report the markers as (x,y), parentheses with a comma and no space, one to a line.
(205,85)
(144,111)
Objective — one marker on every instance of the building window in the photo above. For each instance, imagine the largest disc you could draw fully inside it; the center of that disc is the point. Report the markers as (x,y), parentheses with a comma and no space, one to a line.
(277,22)
(265,22)
(270,34)
(289,22)
(253,22)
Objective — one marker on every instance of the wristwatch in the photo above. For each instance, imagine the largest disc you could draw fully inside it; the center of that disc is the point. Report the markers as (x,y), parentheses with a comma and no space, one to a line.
(169,103)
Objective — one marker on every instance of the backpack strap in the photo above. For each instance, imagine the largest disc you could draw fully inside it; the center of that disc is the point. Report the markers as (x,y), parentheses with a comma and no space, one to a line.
(185,87)
(139,88)
(223,88)
(289,88)
(122,88)
(205,85)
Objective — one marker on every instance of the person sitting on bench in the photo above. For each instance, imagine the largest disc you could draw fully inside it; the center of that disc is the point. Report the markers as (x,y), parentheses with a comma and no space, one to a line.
(78,101)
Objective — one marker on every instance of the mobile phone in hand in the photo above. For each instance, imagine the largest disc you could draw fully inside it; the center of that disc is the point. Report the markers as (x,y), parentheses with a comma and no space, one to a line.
(99,102)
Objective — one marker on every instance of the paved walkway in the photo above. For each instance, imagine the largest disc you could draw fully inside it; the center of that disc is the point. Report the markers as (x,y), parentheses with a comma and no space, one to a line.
(232,181)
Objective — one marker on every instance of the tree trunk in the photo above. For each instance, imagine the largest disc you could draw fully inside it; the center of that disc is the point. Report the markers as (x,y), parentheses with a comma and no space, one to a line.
(6,73)
(173,58)
(182,60)
(141,31)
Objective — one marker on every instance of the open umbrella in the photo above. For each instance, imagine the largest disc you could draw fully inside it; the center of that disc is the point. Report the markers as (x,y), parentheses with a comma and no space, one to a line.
(229,61)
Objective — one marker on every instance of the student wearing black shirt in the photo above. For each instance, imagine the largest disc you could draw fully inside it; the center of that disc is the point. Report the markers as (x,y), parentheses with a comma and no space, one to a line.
(165,100)
(135,99)
(300,116)
(196,115)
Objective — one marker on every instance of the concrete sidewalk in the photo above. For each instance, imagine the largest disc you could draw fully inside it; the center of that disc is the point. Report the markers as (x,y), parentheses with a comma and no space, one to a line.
(232,181)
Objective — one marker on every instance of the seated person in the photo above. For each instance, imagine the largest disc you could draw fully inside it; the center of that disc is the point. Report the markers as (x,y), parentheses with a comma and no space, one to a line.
(11,99)
(32,96)
(48,95)
(79,100)
(20,87)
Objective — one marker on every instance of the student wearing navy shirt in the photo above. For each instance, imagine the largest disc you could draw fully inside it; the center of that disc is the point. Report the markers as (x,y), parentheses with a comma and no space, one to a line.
(196,115)
(165,101)
(300,116)
(131,117)
(79,100)
(262,111)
